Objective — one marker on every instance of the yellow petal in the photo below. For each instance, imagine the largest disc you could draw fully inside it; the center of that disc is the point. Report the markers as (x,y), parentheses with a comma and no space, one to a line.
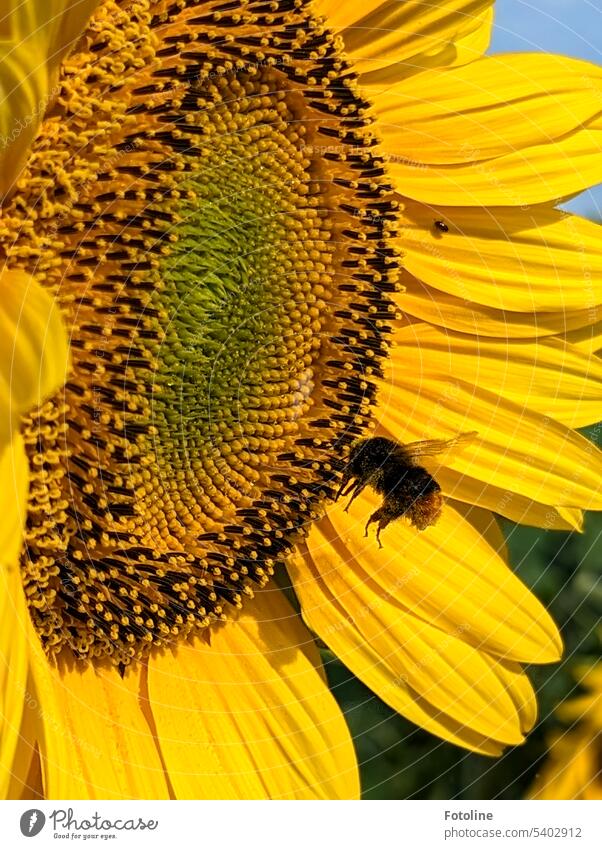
(573,516)
(548,376)
(521,692)
(515,449)
(34,38)
(249,716)
(402,35)
(449,576)
(13,613)
(536,174)
(510,259)
(94,739)
(512,505)
(495,106)
(439,664)
(33,347)
(462,49)
(368,639)
(25,773)
(587,339)
(466,316)
(474,42)
(102,736)
(484,523)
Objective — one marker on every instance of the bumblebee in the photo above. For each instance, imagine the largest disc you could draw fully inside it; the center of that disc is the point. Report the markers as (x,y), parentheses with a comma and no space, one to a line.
(390,468)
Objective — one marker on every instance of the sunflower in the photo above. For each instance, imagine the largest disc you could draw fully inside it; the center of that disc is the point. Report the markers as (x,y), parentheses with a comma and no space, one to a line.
(573,767)
(277,231)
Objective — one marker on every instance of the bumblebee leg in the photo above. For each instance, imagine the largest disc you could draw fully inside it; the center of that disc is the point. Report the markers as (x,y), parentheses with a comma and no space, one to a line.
(340,491)
(375,518)
(350,488)
(381,516)
(358,486)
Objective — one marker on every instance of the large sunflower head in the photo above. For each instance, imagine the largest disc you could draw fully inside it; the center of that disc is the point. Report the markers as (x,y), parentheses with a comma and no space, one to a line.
(217,232)
(296,250)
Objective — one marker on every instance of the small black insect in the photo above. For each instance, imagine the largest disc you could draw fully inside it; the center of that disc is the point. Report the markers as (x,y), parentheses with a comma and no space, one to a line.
(390,468)
(442,226)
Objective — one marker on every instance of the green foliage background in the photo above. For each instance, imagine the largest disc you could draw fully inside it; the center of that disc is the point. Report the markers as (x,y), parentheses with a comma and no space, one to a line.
(400,761)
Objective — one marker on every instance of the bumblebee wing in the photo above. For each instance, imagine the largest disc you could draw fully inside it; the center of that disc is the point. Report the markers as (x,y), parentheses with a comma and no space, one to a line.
(434,447)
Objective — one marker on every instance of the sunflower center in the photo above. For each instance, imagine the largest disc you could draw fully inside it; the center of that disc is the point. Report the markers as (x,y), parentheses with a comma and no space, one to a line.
(206,203)
(246,282)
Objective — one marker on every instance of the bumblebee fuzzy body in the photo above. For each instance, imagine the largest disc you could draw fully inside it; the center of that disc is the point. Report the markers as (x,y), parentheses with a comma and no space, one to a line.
(390,468)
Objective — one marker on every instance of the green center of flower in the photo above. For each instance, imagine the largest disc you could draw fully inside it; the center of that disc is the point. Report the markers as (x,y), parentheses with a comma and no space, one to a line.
(206,203)
(245,282)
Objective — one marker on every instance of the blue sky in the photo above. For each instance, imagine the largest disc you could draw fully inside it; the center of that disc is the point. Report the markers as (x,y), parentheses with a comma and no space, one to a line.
(570,27)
